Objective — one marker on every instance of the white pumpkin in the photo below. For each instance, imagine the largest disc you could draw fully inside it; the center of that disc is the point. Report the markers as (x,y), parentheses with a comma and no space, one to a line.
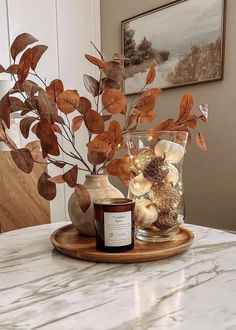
(139,185)
(145,213)
(173,152)
(172,176)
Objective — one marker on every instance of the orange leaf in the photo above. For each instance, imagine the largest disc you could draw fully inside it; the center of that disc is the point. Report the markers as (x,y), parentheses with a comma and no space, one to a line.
(20,43)
(152,91)
(147,118)
(114,133)
(146,103)
(99,146)
(46,188)
(94,122)
(55,88)
(70,176)
(186,106)
(115,71)
(191,121)
(133,121)
(114,101)
(37,52)
(164,125)
(76,123)
(83,197)
(120,167)
(200,141)
(151,75)
(33,146)
(68,101)
(94,60)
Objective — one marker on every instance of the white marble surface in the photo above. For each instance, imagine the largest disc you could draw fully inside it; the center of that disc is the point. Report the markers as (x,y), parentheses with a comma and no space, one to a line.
(42,289)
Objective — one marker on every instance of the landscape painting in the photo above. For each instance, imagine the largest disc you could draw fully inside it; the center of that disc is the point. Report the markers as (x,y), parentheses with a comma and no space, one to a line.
(183,39)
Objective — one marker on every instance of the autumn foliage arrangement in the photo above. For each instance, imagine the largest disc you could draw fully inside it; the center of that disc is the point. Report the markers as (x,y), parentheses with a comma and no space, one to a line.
(55,115)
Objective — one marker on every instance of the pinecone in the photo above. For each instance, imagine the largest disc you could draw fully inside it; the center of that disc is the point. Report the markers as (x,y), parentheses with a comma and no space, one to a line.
(156,170)
(166,220)
(164,197)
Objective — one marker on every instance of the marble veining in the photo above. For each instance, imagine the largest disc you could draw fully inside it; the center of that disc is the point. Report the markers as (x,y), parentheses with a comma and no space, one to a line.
(42,289)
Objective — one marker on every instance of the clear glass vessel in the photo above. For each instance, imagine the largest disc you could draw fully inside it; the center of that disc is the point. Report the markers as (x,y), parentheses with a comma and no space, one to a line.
(157,159)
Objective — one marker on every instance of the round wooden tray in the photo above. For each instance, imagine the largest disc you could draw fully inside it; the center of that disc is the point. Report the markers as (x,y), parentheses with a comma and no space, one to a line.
(68,241)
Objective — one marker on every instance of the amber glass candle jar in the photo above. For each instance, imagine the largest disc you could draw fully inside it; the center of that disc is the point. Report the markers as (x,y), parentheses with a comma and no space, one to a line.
(114,224)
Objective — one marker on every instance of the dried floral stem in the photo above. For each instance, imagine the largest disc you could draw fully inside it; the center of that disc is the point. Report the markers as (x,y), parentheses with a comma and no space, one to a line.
(36,75)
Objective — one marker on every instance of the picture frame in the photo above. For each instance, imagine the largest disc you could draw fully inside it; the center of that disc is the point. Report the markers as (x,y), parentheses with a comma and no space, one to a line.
(184,39)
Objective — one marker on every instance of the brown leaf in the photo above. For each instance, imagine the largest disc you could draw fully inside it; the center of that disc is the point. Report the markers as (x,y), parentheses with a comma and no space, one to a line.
(200,141)
(99,146)
(68,101)
(23,159)
(28,86)
(96,158)
(115,71)
(106,117)
(114,101)
(96,61)
(145,103)
(57,163)
(114,133)
(70,176)
(186,106)
(37,52)
(57,179)
(12,69)
(34,128)
(133,121)
(55,88)
(91,84)
(17,104)
(25,124)
(47,138)
(84,105)
(2,69)
(204,110)
(20,43)
(56,128)
(5,108)
(24,65)
(76,123)
(151,75)
(94,122)
(120,167)
(107,83)
(83,197)
(46,188)
(47,107)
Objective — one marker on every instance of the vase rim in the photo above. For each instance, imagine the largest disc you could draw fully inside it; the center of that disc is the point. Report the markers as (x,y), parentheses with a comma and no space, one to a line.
(95,175)
(152,130)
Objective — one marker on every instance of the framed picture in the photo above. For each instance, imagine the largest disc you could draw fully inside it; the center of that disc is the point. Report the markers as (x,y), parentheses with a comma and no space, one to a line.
(184,39)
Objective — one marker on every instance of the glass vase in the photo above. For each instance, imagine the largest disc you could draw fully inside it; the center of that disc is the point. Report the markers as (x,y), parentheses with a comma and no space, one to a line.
(156,185)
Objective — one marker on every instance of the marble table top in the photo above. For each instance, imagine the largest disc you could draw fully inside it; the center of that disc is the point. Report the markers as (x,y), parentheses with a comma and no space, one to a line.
(42,289)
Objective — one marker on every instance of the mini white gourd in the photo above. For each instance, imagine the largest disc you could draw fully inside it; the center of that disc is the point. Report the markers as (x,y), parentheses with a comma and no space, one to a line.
(139,185)
(145,213)
(173,152)
(172,176)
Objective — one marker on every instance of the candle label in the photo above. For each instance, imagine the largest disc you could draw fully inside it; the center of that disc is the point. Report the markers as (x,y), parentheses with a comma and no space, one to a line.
(117,228)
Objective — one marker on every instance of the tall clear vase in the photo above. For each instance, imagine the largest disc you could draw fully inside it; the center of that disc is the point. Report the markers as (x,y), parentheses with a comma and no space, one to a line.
(157,159)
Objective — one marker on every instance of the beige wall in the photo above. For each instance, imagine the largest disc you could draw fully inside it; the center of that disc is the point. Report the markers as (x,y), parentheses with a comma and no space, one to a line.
(210,178)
